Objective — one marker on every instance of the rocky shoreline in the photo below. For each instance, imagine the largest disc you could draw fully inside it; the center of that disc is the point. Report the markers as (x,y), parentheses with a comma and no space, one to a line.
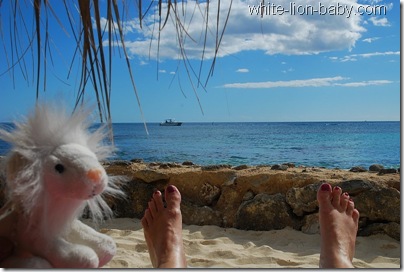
(265,197)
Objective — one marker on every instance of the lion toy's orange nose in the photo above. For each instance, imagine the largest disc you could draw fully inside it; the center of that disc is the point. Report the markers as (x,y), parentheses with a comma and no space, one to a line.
(94,175)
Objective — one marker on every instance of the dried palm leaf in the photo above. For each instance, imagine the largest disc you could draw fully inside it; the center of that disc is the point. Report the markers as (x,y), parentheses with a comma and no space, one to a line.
(95,66)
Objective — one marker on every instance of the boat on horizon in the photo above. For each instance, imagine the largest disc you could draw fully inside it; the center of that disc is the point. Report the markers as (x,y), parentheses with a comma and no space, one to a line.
(170,123)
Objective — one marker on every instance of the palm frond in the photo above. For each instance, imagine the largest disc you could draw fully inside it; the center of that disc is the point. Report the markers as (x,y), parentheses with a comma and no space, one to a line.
(90,35)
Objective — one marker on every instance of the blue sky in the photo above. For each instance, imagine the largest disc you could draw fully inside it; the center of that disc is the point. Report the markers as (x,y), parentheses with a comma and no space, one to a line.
(281,67)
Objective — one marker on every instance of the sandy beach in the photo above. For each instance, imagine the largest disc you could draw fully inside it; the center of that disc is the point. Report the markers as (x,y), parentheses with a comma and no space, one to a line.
(215,247)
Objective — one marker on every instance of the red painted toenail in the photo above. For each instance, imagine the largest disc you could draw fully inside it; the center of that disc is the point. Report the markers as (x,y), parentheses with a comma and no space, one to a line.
(170,189)
(325,187)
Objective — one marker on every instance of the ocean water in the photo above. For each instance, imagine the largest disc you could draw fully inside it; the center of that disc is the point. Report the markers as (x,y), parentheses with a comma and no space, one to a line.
(321,144)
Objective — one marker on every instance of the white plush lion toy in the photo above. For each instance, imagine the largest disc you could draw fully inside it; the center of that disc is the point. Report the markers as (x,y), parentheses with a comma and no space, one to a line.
(52,173)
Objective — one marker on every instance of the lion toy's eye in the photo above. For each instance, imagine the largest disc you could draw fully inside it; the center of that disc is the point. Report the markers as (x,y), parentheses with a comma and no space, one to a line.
(59,168)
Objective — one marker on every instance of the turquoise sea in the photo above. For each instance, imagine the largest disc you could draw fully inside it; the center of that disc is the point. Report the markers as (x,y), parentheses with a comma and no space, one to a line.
(321,144)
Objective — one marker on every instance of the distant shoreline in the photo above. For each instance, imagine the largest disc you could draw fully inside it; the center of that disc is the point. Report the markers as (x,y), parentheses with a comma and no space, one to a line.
(282,166)
(227,122)
(254,122)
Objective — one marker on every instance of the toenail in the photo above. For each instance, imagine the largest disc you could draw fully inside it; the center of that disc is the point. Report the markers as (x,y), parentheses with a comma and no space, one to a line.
(170,189)
(337,188)
(325,187)
(346,194)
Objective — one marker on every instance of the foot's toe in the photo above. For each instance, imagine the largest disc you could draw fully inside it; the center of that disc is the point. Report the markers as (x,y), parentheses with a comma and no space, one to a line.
(344,200)
(350,207)
(355,216)
(144,222)
(158,201)
(173,197)
(324,195)
(336,197)
(152,207)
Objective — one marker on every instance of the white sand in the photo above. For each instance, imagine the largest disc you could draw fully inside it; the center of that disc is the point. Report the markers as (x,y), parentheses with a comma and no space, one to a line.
(214,247)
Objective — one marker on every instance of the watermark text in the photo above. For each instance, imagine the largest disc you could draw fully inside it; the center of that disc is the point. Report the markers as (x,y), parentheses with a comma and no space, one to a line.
(337,9)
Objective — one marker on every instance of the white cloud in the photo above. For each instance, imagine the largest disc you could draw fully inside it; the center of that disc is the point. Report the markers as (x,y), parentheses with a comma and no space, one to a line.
(288,70)
(127,26)
(373,2)
(364,83)
(379,21)
(313,82)
(242,70)
(272,34)
(162,71)
(375,54)
(370,40)
(354,57)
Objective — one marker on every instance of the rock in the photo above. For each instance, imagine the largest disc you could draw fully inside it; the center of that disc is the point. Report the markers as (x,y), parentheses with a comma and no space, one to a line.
(394,184)
(282,167)
(248,196)
(376,167)
(120,163)
(391,229)
(241,167)
(149,175)
(379,204)
(263,165)
(314,169)
(164,166)
(275,167)
(358,169)
(118,168)
(229,202)
(136,160)
(194,215)
(311,224)
(266,212)
(209,194)
(174,165)
(356,186)
(188,163)
(290,164)
(135,202)
(202,188)
(215,167)
(303,200)
(387,171)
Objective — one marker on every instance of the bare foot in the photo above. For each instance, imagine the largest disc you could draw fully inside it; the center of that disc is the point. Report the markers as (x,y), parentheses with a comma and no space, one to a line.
(338,227)
(163,230)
